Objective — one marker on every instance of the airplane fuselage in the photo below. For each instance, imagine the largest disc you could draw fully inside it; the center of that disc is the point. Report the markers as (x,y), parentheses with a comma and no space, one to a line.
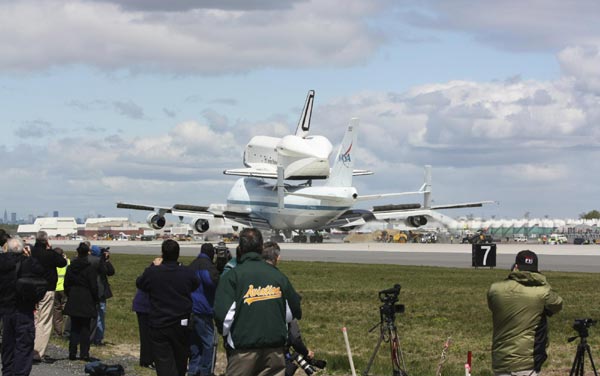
(256,196)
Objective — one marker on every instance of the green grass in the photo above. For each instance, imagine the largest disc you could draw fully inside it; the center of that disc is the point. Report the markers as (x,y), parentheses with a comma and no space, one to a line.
(440,303)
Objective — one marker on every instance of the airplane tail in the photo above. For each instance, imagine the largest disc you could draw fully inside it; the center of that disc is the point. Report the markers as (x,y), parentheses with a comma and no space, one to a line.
(304,122)
(343,165)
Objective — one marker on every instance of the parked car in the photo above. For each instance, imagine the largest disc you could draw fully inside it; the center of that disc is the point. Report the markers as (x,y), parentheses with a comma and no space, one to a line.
(581,241)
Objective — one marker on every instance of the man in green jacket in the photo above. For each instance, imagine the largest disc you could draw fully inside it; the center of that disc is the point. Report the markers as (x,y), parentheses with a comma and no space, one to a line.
(253,304)
(520,306)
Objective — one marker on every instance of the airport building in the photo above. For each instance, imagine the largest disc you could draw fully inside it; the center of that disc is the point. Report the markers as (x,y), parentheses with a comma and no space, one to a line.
(54,226)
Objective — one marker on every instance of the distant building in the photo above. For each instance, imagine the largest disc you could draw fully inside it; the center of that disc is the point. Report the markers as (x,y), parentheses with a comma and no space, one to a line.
(55,214)
(53,226)
(109,227)
(5,216)
(13,217)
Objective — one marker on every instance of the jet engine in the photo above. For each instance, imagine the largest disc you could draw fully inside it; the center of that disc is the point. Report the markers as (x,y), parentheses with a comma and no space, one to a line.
(201,225)
(156,221)
(416,221)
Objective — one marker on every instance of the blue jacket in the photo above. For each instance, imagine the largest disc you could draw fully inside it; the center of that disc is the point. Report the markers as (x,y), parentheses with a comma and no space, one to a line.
(203,298)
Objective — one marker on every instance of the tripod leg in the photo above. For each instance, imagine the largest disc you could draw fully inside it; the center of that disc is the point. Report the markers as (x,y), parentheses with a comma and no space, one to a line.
(399,367)
(577,367)
(366,371)
(589,352)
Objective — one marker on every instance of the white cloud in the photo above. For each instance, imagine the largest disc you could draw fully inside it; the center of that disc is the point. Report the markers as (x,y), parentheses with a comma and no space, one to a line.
(513,25)
(582,63)
(205,41)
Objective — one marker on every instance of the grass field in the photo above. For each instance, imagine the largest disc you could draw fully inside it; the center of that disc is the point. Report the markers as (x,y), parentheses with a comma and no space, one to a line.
(440,303)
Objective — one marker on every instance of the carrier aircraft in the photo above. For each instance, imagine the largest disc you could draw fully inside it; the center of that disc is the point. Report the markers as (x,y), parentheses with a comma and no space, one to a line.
(265,199)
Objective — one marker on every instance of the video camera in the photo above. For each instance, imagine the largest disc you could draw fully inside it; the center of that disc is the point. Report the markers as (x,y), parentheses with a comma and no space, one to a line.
(222,256)
(389,308)
(104,253)
(308,365)
(582,326)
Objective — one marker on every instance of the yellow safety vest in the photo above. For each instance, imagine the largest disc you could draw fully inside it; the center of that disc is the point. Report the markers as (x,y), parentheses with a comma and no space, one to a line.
(60,283)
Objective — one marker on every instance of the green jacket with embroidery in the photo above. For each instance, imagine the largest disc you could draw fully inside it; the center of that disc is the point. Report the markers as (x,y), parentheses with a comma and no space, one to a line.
(253,304)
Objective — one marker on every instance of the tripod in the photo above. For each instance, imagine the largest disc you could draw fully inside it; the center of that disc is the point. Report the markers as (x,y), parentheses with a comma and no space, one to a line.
(388,333)
(582,348)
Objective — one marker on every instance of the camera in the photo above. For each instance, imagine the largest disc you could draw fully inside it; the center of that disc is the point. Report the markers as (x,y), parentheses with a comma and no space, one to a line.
(308,365)
(104,253)
(582,325)
(222,256)
(389,308)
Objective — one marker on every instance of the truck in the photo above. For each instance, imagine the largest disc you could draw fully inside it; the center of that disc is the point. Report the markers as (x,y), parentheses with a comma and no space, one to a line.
(557,239)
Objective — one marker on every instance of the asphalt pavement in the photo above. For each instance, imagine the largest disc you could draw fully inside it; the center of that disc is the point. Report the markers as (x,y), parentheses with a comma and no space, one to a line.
(566,257)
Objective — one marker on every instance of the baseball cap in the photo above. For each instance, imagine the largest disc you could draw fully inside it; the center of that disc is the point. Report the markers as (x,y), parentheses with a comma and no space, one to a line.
(527,261)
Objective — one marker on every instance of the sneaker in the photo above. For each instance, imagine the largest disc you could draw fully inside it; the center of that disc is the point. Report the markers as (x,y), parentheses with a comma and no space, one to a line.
(149,366)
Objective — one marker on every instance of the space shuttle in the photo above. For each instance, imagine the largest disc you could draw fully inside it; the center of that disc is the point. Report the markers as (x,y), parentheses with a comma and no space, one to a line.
(300,156)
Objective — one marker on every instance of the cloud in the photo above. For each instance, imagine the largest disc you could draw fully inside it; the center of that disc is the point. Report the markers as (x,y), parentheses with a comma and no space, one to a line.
(583,64)
(186,5)
(169,113)
(129,109)
(513,25)
(35,129)
(203,41)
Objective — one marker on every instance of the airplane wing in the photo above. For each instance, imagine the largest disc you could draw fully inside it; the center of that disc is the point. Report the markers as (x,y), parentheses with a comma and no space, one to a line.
(199,215)
(272,173)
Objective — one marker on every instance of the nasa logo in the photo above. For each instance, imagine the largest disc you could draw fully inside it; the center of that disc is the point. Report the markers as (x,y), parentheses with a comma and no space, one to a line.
(346,158)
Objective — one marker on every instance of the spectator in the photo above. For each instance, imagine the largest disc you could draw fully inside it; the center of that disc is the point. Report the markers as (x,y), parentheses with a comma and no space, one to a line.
(169,285)
(141,306)
(520,305)
(272,255)
(251,311)
(50,260)
(17,313)
(202,341)
(58,319)
(3,238)
(100,260)
(81,288)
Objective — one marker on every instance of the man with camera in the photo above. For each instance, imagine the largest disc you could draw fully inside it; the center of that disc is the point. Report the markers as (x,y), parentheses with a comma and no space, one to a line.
(202,341)
(520,306)
(17,310)
(50,260)
(100,260)
(301,355)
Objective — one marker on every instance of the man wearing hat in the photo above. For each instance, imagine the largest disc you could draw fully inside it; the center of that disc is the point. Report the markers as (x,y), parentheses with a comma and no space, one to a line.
(520,305)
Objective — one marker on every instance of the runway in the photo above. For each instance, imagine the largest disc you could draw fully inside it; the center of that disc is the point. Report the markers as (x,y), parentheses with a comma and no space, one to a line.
(567,257)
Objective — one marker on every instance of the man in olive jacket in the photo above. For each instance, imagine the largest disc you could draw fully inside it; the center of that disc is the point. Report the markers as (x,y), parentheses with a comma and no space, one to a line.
(253,304)
(520,306)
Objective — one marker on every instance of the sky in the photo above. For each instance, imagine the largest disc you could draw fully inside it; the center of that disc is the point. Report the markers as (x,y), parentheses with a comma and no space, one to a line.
(148,101)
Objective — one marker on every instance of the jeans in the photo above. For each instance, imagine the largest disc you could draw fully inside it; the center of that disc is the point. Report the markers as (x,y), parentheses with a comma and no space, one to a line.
(201,345)
(98,333)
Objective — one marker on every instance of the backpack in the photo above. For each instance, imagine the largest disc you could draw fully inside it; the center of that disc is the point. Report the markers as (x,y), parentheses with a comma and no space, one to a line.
(30,289)
(98,368)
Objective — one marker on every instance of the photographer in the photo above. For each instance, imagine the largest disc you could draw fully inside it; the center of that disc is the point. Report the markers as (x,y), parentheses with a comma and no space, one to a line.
(202,344)
(50,260)
(272,255)
(100,260)
(520,306)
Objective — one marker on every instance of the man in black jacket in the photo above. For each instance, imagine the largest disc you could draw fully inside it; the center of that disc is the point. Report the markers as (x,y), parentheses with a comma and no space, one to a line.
(50,260)
(17,313)
(170,286)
